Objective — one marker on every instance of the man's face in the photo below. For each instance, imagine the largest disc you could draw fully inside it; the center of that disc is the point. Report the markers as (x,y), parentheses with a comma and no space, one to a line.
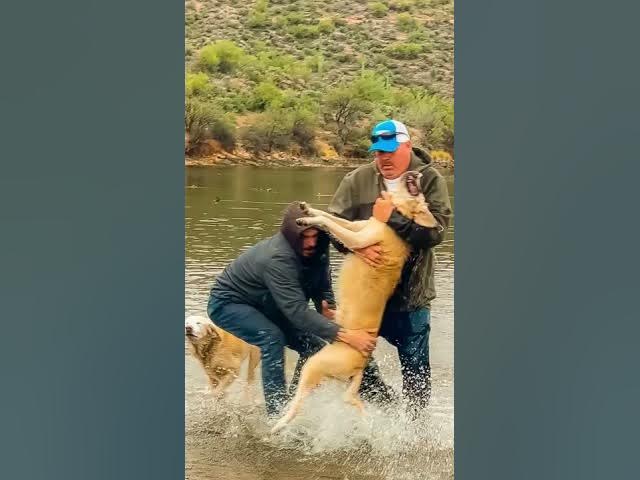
(309,242)
(394,164)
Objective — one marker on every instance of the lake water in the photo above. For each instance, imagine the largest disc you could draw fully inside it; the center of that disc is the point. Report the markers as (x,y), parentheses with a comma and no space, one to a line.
(227,210)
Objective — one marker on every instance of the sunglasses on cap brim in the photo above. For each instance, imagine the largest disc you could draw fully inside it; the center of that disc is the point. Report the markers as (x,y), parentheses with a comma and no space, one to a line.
(389,136)
(383,136)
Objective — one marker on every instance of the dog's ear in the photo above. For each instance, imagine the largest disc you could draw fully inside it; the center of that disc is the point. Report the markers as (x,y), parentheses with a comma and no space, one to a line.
(211,331)
(422,216)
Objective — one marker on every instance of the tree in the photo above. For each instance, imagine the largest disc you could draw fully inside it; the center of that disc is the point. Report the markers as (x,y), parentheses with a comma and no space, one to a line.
(349,102)
(303,130)
(270,130)
(206,120)
(433,116)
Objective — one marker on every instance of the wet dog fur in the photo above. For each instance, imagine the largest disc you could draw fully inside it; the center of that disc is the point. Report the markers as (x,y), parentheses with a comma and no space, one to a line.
(220,354)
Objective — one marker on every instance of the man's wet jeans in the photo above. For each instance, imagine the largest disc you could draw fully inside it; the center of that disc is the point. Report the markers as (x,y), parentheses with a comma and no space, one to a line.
(271,334)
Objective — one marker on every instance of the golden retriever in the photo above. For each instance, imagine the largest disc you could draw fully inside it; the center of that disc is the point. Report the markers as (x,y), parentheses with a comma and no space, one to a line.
(220,353)
(363,290)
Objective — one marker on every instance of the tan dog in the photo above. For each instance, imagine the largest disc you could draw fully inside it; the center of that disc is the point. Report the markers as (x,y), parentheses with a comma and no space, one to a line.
(220,354)
(363,290)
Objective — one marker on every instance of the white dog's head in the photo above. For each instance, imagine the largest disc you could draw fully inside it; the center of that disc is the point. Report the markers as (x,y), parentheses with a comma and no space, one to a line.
(197,328)
(410,201)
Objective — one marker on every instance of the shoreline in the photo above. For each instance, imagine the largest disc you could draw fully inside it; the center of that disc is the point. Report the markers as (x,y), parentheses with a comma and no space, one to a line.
(279,160)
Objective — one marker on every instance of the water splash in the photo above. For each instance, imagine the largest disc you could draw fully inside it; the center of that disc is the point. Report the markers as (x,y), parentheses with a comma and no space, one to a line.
(384,444)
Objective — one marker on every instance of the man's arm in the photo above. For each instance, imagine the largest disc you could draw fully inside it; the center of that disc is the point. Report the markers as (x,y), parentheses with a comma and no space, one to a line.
(436,194)
(325,290)
(341,205)
(281,278)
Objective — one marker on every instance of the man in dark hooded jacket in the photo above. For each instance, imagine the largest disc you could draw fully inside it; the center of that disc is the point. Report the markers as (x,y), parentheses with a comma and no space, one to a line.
(262,297)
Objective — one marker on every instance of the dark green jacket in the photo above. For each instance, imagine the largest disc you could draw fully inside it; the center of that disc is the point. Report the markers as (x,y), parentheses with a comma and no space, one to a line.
(354,200)
(274,277)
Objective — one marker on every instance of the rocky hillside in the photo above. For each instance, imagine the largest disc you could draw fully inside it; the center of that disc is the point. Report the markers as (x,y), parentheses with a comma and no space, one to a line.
(360,35)
(313,75)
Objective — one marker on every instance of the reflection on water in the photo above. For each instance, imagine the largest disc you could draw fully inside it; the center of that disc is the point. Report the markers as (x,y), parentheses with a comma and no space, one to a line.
(226,211)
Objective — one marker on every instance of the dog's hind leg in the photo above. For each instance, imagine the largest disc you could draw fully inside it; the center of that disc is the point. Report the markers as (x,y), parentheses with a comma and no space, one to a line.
(354,226)
(350,239)
(351,395)
(309,379)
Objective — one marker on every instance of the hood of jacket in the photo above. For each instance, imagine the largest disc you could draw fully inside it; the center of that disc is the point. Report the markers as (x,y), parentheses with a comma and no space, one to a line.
(422,154)
(293,232)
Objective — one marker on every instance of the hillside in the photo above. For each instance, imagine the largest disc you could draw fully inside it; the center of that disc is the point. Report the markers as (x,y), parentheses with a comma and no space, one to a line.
(309,77)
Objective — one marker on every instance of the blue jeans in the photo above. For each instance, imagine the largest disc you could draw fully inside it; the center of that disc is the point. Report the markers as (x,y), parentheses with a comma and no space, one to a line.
(409,333)
(270,332)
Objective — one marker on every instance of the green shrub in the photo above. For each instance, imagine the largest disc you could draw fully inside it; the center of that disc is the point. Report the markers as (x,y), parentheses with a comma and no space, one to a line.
(417,36)
(326,25)
(258,17)
(238,102)
(197,84)
(258,20)
(405,50)
(406,22)
(315,63)
(402,5)
(266,95)
(208,59)
(378,9)
(298,70)
(222,56)
(294,18)
(304,31)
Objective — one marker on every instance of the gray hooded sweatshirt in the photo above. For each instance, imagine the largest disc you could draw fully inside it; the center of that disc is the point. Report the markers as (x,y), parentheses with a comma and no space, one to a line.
(274,272)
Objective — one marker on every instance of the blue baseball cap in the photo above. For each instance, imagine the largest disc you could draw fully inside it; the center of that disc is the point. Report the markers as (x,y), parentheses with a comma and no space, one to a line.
(388,135)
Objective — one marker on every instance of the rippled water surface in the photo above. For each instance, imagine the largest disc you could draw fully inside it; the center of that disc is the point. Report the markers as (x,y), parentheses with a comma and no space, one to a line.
(226,211)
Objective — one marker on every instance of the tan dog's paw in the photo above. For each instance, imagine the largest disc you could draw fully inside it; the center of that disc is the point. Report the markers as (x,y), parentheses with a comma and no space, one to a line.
(304,206)
(303,222)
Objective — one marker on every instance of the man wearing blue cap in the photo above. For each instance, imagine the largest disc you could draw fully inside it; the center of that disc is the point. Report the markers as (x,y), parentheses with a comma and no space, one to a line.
(406,321)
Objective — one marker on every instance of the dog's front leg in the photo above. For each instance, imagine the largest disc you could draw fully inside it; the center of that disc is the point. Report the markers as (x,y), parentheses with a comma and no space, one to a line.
(219,390)
(370,235)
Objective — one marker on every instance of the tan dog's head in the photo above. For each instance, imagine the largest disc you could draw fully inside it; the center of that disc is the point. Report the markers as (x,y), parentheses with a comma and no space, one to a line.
(410,202)
(199,331)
